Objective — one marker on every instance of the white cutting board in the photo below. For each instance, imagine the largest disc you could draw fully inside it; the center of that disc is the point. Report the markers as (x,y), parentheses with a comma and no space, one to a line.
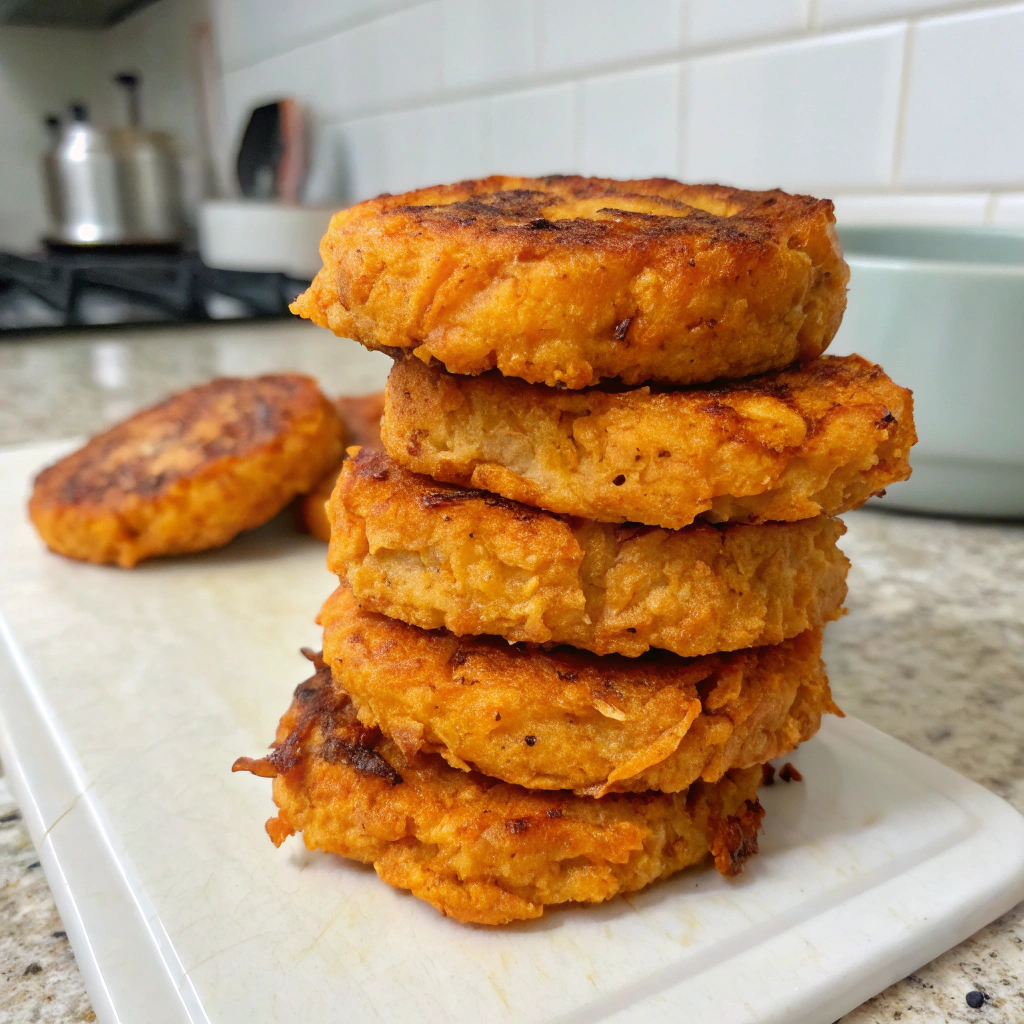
(125,697)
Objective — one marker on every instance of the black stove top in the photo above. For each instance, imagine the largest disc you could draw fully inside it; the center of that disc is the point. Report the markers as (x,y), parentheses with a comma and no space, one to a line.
(72,288)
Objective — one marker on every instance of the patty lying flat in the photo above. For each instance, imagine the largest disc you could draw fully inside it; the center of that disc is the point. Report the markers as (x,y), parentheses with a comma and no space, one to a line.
(820,438)
(570,280)
(478,850)
(566,719)
(439,555)
(190,473)
(361,419)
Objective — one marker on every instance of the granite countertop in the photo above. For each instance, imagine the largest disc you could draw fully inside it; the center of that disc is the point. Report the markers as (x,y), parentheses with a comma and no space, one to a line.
(932,650)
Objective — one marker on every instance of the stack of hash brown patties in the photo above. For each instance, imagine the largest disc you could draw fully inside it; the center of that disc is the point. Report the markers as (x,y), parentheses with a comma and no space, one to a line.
(582,591)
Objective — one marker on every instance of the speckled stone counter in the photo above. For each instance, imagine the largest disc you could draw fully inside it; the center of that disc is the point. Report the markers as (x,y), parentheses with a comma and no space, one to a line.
(932,650)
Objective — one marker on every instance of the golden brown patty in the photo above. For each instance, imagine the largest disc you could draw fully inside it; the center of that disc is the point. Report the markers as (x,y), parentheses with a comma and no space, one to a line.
(790,445)
(439,555)
(479,850)
(361,419)
(566,719)
(570,280)
(190,473)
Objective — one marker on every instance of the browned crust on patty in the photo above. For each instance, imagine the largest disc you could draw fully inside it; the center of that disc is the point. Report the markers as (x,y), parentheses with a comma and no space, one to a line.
(568,719)
(569,280)
(818,438)
(435,554)
(189,473)
(360,417)
(478,850)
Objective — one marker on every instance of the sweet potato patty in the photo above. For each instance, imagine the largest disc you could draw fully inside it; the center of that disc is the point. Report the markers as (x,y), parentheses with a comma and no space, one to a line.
(570,280)
(190,473)
(790,445)
(440,555)
(567,719)
(361,419)
(480,850)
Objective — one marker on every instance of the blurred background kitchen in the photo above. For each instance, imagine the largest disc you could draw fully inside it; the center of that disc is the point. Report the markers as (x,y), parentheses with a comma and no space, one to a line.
(131,143)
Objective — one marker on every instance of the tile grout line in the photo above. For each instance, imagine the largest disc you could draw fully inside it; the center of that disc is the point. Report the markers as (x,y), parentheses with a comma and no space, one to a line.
(946,9)
(537,12)
(899,130)
(682,94)
(578,114)
(682,119)
(947,192)
(487,136)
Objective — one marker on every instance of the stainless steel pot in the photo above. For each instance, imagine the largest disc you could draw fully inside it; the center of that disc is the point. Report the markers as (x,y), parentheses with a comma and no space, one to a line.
(83,185)
(117,186)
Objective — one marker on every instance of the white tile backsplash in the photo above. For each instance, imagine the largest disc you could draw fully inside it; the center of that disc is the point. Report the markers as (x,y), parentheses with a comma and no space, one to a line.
(816,114)
(962,209)
(253,30)
(489,42)
(410,149)
(577,34)
(360,152)
(533,132)
(708,23)
(402,55)
(456,142)
(343,60)
(836,13)
(630,123)
(387,63)
(1008,210)
(910,110)
(964,122)
(398,145)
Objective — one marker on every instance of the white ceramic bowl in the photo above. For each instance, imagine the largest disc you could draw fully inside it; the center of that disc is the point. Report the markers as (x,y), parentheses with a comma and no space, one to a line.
(942,310)
(245,234)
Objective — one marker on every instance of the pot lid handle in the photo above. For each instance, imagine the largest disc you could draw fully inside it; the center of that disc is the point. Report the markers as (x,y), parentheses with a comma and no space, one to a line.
(129,81)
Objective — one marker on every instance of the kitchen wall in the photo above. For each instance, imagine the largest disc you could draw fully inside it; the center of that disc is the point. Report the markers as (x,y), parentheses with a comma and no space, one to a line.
(43,69)
(159,42)
(903,110)
(40,70)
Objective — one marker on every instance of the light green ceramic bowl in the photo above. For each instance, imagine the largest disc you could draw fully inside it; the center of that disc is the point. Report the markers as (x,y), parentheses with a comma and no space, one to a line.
(943,311)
